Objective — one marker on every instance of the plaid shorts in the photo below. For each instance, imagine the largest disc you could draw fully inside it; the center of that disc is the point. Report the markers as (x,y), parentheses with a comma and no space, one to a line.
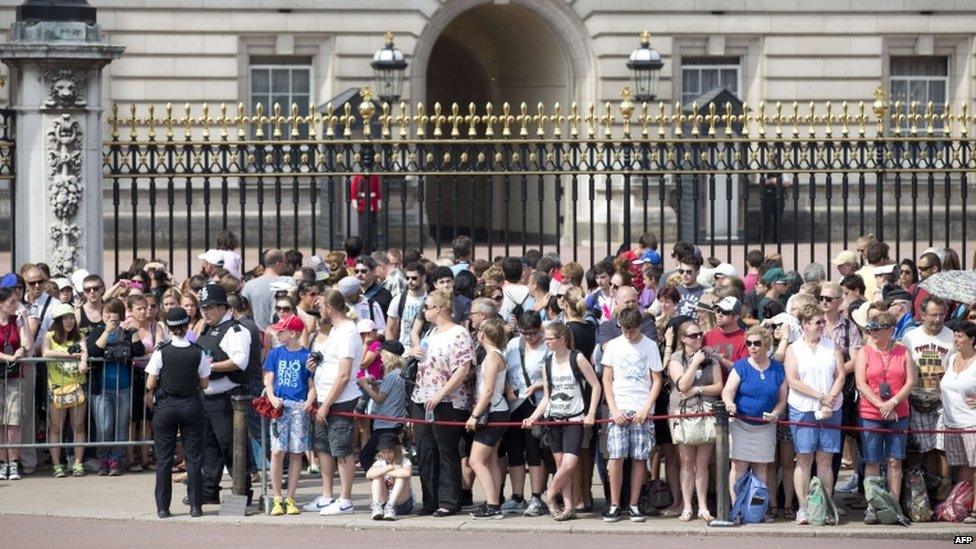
(630,440)
(924,442)
(289,433)
(960,449)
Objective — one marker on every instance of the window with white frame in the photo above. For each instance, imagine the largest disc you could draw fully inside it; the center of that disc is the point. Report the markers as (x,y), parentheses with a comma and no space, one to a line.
(283,81)
(700,74)
(922,79)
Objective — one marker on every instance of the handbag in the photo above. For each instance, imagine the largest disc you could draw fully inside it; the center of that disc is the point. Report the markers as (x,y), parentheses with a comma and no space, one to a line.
(68,396)
(924,401)
(693,430)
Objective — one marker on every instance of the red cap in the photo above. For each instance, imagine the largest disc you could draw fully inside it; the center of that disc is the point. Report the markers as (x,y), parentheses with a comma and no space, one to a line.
(290,322)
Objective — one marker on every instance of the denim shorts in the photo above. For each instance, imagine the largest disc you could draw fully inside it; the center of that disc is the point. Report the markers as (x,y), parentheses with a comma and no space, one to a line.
(877,447)
(808,440)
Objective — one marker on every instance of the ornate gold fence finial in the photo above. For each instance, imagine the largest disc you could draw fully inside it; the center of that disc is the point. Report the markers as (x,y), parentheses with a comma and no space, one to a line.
(523,120)
(678,120)
(557,120)
(728,119)
(795,121)
(133,123)
(761,120)
(661,120)
(187,121)
(964,119)
(574,120)
(607,120)
(644,119)
(152,121)
(385,119)
(403,120)
(169,121)
(114,121)
(206,120)
(241,121)
(330,119)
(695,119)
(930,119)
(420,121)
(507,119)
(455,120)
(367,110)
(626,109)
(490,120)
(879,107)
(913,118)
(223,120)
(540,120)
(438,119)
(472,119)
(591,120)
(294,121)
(276,120)
(347,119)
(712,119)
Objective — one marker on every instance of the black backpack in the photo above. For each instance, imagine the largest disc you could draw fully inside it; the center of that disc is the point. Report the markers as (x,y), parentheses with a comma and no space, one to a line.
(581,382)
(519,309)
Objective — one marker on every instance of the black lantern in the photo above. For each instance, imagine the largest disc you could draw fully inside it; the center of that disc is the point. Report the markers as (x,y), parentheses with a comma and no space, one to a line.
(645,67)
(388,68)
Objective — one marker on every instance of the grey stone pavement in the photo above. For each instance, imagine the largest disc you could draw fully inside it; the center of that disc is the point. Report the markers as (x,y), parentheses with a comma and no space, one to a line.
(129,498)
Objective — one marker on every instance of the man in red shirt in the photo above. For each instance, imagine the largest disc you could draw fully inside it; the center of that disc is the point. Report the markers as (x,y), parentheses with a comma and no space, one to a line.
(727,341)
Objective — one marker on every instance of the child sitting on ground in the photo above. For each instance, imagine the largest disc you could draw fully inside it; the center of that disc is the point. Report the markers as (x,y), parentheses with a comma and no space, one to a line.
(289,385)
(390,480)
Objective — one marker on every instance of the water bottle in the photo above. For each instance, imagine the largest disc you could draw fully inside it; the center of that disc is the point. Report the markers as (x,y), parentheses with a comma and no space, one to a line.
(429,416)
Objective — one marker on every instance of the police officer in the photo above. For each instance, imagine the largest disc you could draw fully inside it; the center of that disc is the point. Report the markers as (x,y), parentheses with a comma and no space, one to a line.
(228,346)
(176,373)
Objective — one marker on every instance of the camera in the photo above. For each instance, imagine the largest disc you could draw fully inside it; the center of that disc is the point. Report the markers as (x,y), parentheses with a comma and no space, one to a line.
(884,390)
(316,357)
(118,352)
(74,348)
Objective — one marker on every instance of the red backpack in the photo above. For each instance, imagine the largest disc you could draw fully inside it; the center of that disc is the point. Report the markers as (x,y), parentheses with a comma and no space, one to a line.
(957,506)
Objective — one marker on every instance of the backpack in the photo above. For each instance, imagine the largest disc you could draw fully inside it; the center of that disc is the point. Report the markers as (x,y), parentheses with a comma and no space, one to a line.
(585,389)
(885,507)
(957,506)
(519,308)
(751,500)
(915,497)
(820,506)
(654,495)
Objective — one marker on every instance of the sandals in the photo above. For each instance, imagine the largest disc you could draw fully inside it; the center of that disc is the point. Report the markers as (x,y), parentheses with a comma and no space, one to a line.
(789,513)
(705,516)
(771,514)
(568,514)
(686,515)
(442,512)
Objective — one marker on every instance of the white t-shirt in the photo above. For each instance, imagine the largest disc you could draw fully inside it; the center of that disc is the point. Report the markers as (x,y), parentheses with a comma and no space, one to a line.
(380,463)
(534,364)
(412,308)
(929,354)
(512,295)
(816,368)
(956,388)
(362,312)
(632,365)
(343,342)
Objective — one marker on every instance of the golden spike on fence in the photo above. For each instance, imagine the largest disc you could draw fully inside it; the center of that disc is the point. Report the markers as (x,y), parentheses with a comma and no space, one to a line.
(795,120)
(778,119)
(829,120)
(114,121)
(506,119)
(205,134)
(678,119)
(276,121)
(712,119)
(187,121)
(329,120)
(133,123)
(761,119)
(312,120)
(540,120)
(645,118)
(347,120)
(169,121)
(455,120)
(745,119)
(574,120)
(241,122)
(607,120)
(880,108)
(523,120)
(294,120)
(913,117)
(728,119)
(811,120)
(626,110)
(930,118)
(367,110)
(152,121)
(490,120)
(661,120)
(898,117)
(223,121)
(420,120)
(385,120)
(591,120)
(947,119)
(438,119)
(472,119)
(695,119)
(557,120)
(402,120)
(861,119)
(964,119)
(845,119)
(259,120)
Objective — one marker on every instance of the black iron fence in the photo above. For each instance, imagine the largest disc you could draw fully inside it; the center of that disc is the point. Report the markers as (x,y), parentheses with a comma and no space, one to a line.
(805,182)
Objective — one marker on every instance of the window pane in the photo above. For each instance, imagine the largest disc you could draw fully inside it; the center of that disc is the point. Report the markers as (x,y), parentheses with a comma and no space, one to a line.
(937,91)
(299,80)
(280,80)
(301,101)
(899,90)
(730,80)
(709,79)
(917,91)
(282,100)
(259,81)
(920,66)
(689,82)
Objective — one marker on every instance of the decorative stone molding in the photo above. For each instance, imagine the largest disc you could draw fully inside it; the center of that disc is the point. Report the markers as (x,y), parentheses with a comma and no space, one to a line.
(66,89)
(65,190)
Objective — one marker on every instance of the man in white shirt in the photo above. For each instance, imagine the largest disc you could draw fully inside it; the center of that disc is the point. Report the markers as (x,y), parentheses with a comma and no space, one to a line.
(514,293)
(632,381)
(407,305)
(351,290)
(40,316)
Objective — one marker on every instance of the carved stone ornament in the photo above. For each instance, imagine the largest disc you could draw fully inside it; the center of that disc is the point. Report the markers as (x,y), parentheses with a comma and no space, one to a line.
(64,190)
(66,89)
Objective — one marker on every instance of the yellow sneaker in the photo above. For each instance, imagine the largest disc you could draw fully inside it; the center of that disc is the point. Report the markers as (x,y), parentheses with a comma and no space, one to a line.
(277,509)
(291,508)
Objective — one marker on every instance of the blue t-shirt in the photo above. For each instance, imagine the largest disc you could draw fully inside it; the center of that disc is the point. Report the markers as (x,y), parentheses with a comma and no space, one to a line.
(757,395)
(116,375)
(290,374)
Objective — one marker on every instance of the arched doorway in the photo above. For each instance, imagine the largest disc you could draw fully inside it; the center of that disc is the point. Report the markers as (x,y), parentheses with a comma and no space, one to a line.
(532,51)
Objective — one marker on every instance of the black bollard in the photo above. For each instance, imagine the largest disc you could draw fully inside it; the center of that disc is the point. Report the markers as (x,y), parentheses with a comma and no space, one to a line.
(721,465)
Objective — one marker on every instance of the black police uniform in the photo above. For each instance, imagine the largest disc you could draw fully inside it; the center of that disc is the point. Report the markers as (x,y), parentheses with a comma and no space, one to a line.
(219,425)
(179,407)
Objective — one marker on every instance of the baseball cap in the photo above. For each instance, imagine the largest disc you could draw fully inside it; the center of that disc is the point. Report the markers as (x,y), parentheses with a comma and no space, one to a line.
(63,309)
(290,322)
(724,269)
(348,285)
(845,257)
(62,283)
(212,256)
(729,304)
(8,280)
(649,256)
(860,314)
(365,325)
(774,275)
(885,270)
(78,279)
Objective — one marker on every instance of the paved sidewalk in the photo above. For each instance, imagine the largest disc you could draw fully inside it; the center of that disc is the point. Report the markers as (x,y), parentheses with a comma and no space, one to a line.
(129,497)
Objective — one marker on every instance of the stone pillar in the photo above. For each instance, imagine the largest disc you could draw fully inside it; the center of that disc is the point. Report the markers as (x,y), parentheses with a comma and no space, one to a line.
(56,56)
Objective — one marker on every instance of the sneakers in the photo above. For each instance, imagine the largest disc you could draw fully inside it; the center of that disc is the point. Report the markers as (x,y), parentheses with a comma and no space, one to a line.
(337,507)
(3,470)
(869,517)
(318,504)
(612,514)
(634,513)
(277,509)
(389,511)
(291,508)
(59,471)
(377,511)
(514,507)
(13,471)
(489,512)
(113,468)
(78,470)
(535,508)
(103,468)
(313,469)
(801,517)
(850,486)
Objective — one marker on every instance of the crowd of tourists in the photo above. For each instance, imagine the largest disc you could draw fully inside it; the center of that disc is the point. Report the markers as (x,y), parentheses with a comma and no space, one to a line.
(523,376)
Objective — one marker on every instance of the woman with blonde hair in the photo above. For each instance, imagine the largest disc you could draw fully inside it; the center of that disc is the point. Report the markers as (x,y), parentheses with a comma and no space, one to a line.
(386,399)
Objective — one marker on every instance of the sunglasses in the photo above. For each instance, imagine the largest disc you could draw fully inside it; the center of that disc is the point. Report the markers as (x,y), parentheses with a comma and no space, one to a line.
(361,271)
(696,335)
(828,298)
(429,307)
(90,289)
(754,343)
(925,268)
(686,271)
(560,295)
(529,333)
(819,323)
(551,338)
(499,298)
(876,327)
(413,278)
(284,308)
(35,282)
